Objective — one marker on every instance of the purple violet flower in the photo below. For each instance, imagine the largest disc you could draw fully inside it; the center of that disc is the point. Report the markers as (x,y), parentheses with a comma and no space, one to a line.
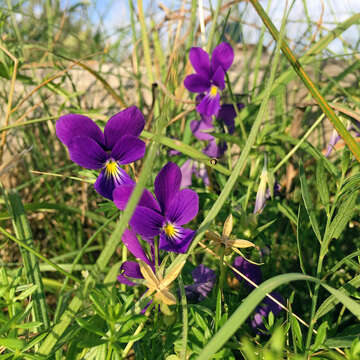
(90,148)
(204,281)
(191,167)
(202,129)
(263,311)
(210,76)
(252,271)
(165,215)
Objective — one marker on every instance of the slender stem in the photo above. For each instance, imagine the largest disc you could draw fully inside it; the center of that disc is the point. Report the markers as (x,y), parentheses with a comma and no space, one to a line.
(297,146)
(192,23)
(234,103)
(134,41)
(322,254)
(213,26)
(220,289)
(137,331)
(185,320)
(145,42)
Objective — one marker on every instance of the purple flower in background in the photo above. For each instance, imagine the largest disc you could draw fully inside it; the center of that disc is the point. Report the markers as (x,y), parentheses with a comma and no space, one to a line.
(204,281)
(263,311)
(227,115)
(131,269)
(191,167)
(250,270)
(202,129)
(253,272)
(90,148)
(210,76)
(335,137)
(165,215)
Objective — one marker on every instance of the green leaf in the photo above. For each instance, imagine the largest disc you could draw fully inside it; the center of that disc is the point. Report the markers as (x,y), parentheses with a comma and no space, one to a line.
(308,203)
(321,184)
(12,343)
(287,211)
(296,330)
(329,303)
(320,336)
(26,293)
(344,214)
(340,341)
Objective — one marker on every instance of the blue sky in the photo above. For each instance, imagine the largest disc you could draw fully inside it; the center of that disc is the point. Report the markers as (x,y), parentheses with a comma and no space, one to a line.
(115,13)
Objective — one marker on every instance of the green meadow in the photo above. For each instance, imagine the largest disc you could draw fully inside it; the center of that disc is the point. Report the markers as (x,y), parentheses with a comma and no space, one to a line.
(179,179)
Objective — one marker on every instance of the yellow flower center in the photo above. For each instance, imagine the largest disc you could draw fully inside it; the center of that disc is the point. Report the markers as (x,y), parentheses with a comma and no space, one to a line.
(112,169)
(170,230)
(213,91)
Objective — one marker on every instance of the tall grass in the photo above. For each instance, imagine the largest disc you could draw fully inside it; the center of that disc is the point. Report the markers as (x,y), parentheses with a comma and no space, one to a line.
(61,242)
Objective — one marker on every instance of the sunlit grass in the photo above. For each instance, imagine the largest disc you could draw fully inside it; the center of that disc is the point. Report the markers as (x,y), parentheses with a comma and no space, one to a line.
(61,247)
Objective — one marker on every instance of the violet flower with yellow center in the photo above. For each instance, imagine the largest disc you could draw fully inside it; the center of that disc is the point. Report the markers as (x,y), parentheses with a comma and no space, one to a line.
(92,149)
(165,215)
(209,78)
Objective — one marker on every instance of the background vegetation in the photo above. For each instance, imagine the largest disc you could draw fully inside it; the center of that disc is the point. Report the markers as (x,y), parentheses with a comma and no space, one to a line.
(61,57)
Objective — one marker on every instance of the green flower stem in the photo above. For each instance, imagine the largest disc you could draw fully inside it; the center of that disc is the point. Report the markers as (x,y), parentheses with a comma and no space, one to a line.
(145,42)
(130,344)
(219,296)
(185,319)
(213,26)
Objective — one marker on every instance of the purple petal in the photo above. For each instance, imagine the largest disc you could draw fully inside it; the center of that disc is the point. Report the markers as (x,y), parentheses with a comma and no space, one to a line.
(250,270)
(200,130)
(200,61)
(209,105)
(173,152)
(201,172)
(167,184)
(87,153)
(219,78)
(273,306)
(214,150)
(223,55)
(203,274)
(335,137)
(186,172)
(183,207)
(227,114)
(129,269)
(71,125)
(146,222)
(196,83)
(133,245)
(258,320)
(204,281)
(127,122)
(128,149)
(105,185)
(121,196)
(179,243)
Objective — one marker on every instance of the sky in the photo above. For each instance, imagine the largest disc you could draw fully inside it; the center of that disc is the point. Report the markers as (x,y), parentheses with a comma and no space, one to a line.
(114,14)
